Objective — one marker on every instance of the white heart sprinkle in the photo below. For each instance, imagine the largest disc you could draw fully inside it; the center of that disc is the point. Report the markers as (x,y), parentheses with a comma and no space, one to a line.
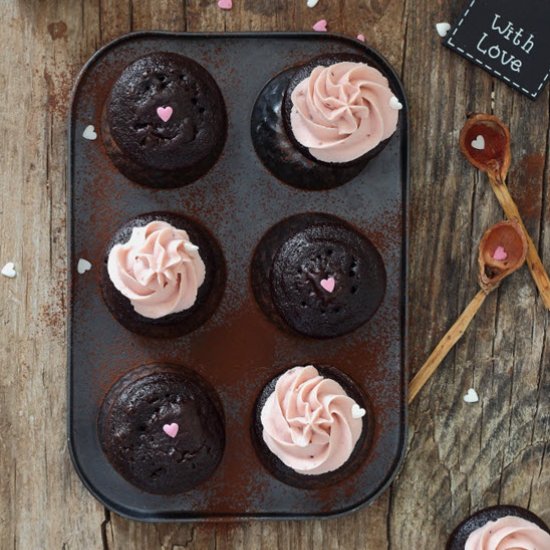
(357,411)
(479,143)
(9,270)
(190,247)
(312,3)
(442,29)
(396,104)
(471,396)
(83,266)
(89,133)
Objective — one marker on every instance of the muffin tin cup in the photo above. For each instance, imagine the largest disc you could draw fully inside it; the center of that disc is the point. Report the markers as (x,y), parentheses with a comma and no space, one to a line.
(238,350)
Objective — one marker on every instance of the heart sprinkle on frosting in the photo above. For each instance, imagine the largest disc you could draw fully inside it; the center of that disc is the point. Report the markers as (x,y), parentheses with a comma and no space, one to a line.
(357,411)
(479,143)
(500,254)
(328,284)
(165,113)
(171,430)
(396,104)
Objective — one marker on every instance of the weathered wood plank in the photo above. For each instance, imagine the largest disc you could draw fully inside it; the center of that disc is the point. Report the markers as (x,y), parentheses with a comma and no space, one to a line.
(42,503)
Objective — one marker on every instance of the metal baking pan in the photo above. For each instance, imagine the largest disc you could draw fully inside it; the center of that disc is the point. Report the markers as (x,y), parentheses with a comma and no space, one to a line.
(238,350)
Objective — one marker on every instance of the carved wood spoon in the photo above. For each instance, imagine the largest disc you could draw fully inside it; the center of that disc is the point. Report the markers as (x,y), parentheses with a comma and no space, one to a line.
(485,142)
(502,250)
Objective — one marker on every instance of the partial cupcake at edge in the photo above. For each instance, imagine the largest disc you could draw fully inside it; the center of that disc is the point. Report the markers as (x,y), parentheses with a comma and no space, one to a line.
(162,428)
(317,126)
(312,426)
(164,122)
(163,275)
(318,276)
(503,526)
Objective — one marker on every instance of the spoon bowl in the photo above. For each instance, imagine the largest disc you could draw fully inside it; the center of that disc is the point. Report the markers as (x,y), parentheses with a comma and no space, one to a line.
(502,250)
(485,142)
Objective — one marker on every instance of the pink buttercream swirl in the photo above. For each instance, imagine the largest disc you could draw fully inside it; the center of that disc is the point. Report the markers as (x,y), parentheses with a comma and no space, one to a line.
(159,270)
(308,422)
(343,111)
(508,533)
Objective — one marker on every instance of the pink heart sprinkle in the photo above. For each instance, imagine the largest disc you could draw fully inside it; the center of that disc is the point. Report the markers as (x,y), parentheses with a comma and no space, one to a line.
(328,284)
(171,429)
(165,113)
(361,37)
(225,4)
(500,254)
(320,26)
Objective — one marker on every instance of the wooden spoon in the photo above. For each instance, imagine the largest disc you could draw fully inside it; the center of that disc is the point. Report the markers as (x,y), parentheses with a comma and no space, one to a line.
(485,142)
(502,250)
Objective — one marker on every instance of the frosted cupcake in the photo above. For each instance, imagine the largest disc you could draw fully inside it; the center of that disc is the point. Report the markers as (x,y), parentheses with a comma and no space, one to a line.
(501,527)
(163,276)
(318,125)
(311,426)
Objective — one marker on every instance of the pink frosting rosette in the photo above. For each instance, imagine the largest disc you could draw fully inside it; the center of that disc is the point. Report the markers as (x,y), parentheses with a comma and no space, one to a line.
(508,533)
(310,423)
(343,111)
(159,270)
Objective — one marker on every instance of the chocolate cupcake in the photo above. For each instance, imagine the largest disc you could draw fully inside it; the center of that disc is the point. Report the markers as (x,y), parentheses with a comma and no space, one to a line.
(311,426)
(501,527)
(162,429)
(316,126)
(164,123)
(163,275)
(317,275)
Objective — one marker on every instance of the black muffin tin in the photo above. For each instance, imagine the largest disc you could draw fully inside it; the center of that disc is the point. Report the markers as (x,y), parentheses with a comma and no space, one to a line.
(238,350)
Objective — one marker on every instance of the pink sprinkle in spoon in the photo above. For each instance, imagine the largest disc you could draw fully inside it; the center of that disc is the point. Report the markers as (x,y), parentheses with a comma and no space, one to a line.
(328,284)
(171,430)
(500,254)
(165,113)
(225,4)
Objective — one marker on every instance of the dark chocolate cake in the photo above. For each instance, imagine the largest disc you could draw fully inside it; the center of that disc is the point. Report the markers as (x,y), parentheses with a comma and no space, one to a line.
(318,275)
(164,123)
(162,429)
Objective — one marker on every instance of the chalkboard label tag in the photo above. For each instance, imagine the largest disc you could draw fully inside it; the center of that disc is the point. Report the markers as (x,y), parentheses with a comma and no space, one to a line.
(508,38)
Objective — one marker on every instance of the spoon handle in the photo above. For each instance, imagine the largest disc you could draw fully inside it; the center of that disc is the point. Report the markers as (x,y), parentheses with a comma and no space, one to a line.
(445,345)
(533,259)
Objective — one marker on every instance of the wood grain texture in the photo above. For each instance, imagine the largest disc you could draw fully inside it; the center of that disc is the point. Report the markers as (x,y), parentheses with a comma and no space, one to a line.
(460,457)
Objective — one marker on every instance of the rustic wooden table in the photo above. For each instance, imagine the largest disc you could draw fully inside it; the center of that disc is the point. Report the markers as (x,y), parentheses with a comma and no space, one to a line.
(460,456)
